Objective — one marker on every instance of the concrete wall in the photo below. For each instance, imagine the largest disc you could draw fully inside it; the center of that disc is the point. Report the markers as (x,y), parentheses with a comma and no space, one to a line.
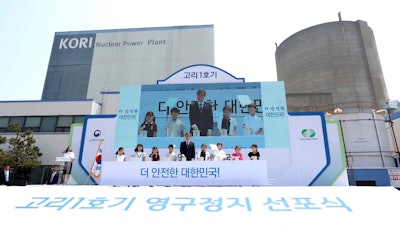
(48,108)
(109,103)
(338,57)
(307,102)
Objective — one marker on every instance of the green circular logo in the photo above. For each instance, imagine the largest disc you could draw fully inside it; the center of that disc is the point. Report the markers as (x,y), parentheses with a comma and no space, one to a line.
(308,133)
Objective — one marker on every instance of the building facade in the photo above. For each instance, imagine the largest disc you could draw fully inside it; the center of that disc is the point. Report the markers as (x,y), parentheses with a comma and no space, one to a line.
(84,63)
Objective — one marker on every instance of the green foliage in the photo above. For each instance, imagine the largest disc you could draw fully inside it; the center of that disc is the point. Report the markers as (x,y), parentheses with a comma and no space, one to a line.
(2,140)
(22,154)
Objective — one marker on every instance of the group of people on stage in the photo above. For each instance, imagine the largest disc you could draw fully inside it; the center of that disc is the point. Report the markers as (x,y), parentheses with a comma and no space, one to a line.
(187,152)
(202,121)
(201,124)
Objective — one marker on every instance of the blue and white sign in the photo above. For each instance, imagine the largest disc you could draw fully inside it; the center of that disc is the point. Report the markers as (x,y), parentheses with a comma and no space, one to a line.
(186,173)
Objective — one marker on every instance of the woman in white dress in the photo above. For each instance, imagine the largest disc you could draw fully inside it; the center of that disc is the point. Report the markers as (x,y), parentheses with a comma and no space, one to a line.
(67,168)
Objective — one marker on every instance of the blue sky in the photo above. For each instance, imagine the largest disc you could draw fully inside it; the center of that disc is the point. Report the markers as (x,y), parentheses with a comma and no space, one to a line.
(250,27)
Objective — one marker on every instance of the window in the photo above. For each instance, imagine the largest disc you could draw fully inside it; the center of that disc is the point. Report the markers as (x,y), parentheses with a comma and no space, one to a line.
(20,120)
(48,124)
(365,183)
(4,123)
(64,123)
(33,123)
(79,119)
(41,123)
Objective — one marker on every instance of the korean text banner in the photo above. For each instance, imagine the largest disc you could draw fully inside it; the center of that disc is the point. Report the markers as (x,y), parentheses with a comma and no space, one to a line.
(211,205)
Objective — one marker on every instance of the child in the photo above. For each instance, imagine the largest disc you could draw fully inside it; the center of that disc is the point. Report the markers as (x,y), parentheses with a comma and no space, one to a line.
(139,154)
(175,127)
(149,125)
(237,155)
(228,123)
(254,154)
(120,155)
(204,155)
(252,124)
(171,155)
(154,155)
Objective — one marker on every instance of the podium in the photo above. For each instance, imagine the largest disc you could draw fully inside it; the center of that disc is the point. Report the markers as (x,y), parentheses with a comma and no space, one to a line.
(63,159)
(64,162)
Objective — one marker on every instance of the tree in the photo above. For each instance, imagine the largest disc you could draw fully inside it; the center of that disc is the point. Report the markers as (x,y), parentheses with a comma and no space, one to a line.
(2,141)
(22,154)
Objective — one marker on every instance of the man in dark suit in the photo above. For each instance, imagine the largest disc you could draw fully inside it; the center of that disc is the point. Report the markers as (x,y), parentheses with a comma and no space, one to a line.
(52,177)
(201,115)
(187,147)
(6,176)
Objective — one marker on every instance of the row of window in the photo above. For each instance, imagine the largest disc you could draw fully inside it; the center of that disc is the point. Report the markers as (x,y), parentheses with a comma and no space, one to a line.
(41,123)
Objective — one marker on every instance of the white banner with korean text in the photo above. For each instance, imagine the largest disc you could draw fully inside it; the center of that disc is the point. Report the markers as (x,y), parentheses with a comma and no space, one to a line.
(171,173)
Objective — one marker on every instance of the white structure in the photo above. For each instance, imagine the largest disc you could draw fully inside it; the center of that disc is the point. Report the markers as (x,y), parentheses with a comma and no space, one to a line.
(366,139)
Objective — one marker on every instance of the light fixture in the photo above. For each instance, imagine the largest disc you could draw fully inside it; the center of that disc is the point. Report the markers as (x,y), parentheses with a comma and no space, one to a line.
(337,111)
